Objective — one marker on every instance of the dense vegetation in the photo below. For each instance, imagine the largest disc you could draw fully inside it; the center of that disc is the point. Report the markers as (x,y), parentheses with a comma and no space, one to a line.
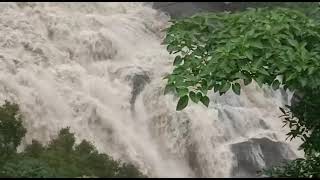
(60,158)
(277,47)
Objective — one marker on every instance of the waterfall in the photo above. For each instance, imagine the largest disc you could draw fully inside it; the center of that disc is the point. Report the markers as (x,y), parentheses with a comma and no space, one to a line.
(98,67)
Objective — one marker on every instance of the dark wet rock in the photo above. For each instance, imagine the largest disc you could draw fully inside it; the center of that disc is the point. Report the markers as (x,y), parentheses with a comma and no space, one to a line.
(284,95)
(263,124)
(183,9)
(137,78)
(255,154)
(193,160)
(138,83)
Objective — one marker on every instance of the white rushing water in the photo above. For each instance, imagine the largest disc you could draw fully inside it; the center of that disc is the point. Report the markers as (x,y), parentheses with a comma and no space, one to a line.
(79,64)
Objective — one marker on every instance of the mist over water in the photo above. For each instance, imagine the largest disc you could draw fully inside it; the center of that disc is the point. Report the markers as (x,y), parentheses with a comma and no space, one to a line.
(98,68)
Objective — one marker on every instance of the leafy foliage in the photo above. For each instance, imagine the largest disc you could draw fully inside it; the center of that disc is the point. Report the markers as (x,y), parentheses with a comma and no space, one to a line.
(26,167)
(299,168)
(303,118)
(62,157)
(183,102)
(216,51)
(11,130)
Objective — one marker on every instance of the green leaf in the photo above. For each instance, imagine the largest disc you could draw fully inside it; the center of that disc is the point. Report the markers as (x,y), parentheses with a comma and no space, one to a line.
(247,80)
(263,71)
(282,110)
(179,81)
(260,81)
(268,55)
(303,81)
(182,91)
(225,87)
(236,88)
(311,70)
(293,42)
(171,48)
(257,44)
(199,95)
(298,68)
(167,40)
(275,84)
(292,76)
(177,61)
(249,54)
(193,96)
(205,100)
(204,89)
(182,103)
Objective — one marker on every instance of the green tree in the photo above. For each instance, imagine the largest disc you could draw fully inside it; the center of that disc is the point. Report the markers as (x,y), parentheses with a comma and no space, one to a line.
(62,157)
(277,47)
(26,167)
(35,149)
(11,130)
(64,142)
(128,171)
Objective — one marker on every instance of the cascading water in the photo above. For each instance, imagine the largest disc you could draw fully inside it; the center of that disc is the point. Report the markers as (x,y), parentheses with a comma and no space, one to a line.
(98,68)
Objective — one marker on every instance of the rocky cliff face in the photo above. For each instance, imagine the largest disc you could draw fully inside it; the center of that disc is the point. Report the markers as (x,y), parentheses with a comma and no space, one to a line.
(258,153)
